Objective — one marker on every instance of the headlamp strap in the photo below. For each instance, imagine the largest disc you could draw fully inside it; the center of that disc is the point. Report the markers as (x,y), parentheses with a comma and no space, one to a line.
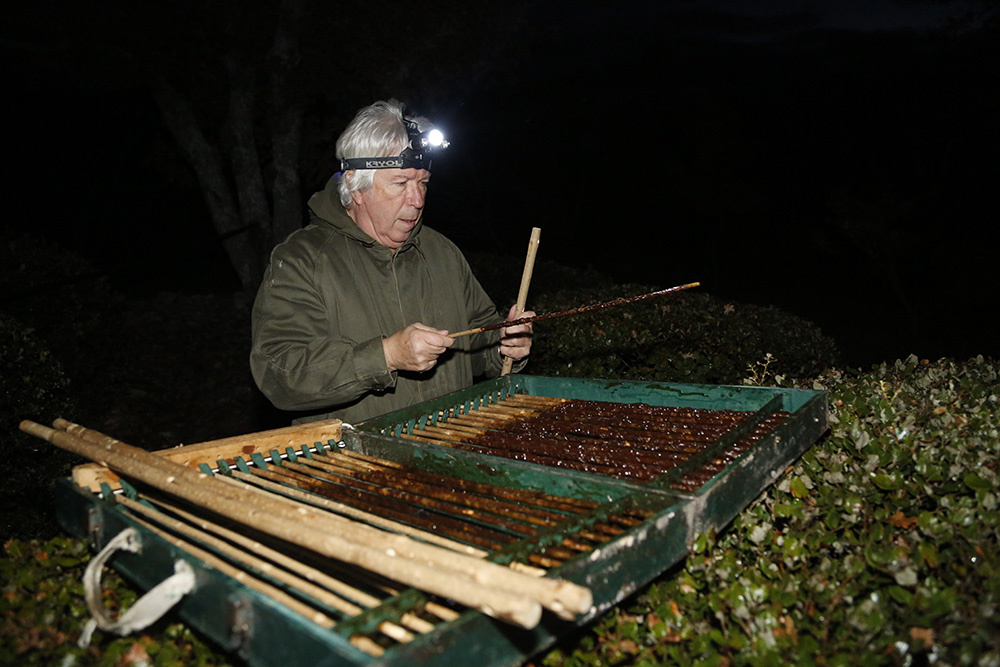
(412,157)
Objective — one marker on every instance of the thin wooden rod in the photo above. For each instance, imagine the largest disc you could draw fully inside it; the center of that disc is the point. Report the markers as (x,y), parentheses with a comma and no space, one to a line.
(448,527)
(522,294)
(324,596)
(564,503)
(360,515)
(493,510)
(621,301)
(339,588)
(241,576)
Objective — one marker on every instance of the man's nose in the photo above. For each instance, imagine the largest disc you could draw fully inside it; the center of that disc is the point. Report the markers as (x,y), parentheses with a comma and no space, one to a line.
(414,195)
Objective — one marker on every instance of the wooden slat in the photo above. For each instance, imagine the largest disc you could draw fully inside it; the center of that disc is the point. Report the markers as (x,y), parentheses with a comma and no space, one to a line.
(91,475)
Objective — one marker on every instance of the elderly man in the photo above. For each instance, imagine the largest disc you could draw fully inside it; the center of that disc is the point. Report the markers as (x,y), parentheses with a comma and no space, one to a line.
(353,315)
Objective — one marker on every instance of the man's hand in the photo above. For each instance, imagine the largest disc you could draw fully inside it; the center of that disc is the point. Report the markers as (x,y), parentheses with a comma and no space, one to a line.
(515,342)
(415,348)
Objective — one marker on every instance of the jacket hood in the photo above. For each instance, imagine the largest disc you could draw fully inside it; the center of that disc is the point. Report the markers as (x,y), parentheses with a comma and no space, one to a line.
(327,209)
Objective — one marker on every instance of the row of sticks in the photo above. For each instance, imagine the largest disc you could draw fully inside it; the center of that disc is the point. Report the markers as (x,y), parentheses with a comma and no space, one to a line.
(629,441)
(461,514)
(507,594)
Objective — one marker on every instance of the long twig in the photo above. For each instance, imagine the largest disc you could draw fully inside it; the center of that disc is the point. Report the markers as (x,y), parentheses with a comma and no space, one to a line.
(621,301)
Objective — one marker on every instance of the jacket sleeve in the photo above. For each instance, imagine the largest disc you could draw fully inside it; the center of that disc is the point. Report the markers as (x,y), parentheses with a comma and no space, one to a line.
(296,360)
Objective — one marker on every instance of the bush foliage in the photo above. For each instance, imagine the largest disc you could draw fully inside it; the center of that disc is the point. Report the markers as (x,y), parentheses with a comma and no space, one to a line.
(44,611)
(682,337)
(879,546)
(32,383)
(689,336)
(53,308)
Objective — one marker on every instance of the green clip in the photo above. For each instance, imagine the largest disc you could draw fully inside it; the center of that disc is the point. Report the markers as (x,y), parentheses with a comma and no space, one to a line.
(129,490)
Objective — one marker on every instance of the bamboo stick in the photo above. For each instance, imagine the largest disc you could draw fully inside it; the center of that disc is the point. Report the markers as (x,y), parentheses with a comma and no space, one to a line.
(563,503)
(457,493)
(357,514)
(338,591)
(491,588)
(574,311)
(358,641)
(491,511)
(242,576)
(522,294)
(391,630)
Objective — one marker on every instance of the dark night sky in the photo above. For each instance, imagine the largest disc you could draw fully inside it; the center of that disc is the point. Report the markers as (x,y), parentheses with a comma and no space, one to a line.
(838,164)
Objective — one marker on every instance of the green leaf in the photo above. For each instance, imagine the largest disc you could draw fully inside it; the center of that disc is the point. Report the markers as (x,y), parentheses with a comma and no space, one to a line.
(929,553)
(887,482)
(783,510)
(975,482)
(901,595)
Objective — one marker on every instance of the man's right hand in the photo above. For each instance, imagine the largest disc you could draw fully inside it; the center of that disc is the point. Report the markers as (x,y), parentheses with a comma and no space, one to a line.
(415,348)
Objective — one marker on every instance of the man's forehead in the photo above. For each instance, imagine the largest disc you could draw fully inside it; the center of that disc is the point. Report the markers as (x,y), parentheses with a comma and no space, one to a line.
(410,174)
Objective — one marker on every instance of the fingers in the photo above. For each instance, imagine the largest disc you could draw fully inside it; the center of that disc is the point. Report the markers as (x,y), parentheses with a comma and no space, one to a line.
(515,341)
(518,329)
(415,348)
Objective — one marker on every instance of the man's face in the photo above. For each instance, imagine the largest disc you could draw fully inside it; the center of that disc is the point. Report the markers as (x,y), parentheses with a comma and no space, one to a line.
(390,210)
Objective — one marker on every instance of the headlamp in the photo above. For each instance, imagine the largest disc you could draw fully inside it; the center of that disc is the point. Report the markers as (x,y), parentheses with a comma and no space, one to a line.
(417,155)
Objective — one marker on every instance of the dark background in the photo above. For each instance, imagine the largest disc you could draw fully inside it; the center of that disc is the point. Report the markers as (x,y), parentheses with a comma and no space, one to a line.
(838,163)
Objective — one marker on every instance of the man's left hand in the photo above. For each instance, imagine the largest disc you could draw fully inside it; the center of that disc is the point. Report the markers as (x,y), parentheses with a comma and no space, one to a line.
(515,341)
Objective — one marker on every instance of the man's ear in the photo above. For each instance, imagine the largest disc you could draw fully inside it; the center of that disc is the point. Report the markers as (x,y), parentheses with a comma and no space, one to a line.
(355,196)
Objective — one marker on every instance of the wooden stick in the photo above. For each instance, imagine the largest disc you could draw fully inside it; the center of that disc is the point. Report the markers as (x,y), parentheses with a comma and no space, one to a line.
(488,587)
(621,301)
(359,641)
(522,295)
(243,577)
(334,592)
(357,514)
(284,576)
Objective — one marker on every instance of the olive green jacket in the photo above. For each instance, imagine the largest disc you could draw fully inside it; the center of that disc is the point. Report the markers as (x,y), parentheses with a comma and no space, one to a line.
(331,294)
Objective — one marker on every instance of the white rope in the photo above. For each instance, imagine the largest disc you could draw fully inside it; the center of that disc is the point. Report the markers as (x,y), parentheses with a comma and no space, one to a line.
(147,609)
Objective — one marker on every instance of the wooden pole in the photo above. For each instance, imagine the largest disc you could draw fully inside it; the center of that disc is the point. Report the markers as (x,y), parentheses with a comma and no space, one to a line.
(310,581)
(522,294)
(360,515)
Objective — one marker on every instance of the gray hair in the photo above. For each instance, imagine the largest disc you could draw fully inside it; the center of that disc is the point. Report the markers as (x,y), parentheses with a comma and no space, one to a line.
(376,131)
